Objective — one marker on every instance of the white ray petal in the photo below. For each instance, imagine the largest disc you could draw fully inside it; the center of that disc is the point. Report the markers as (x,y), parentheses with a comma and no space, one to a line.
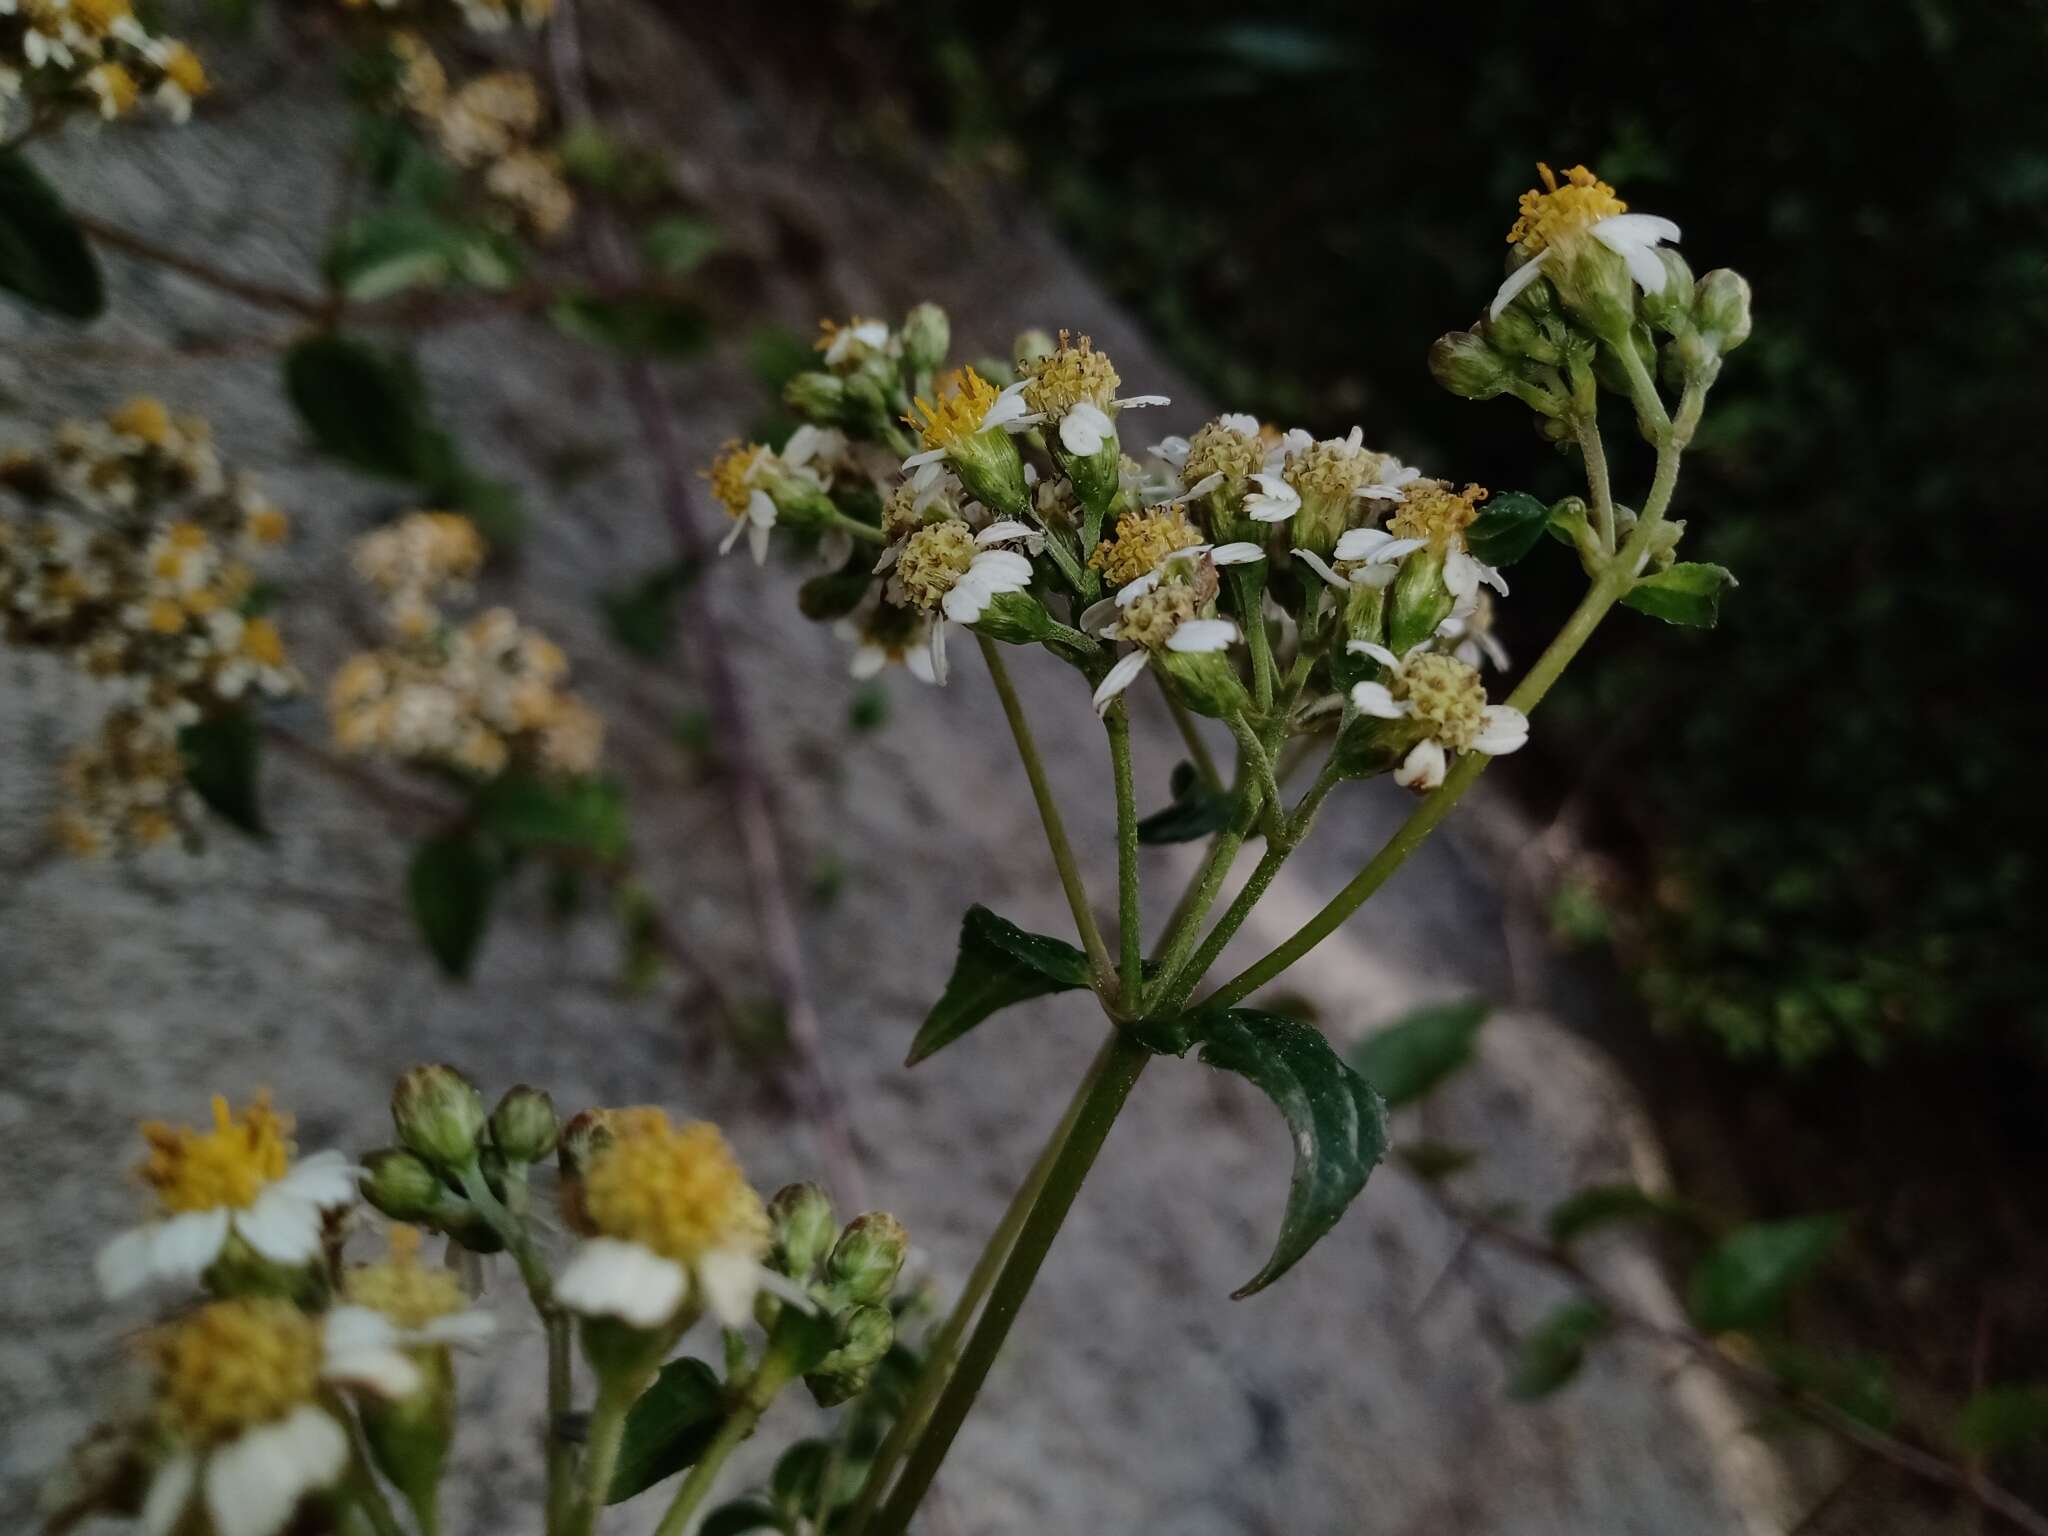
(1517,280)
(1374,699)
(1195,636)
(1120,677)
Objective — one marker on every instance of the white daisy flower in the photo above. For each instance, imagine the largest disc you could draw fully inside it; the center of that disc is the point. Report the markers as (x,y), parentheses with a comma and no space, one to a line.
(1275,501)
(848,343)
(754,483)
(236,1180)
(1554,218)
(1164,613)
(1444,699)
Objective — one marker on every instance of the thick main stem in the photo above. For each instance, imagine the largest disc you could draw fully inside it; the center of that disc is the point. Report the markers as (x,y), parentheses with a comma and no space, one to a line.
(1049,814)
(1117,1071)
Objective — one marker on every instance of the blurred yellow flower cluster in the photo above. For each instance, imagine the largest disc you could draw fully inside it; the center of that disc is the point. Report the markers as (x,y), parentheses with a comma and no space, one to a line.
(56,55)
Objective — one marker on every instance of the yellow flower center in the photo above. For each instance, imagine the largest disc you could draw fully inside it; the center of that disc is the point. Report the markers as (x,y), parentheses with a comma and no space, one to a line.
(117,88)
(1062,379)
(403,1289)
(933,559)
(1435,512)
(144,417)
(731,475)
(1584,199)
(99,16)
(1448,697)
(964,399)
(229,1165)
(677,1190)
(266,525)
(233,1365)
(1218,450)
(1150,620)
(183,69)
(262,644)
(1143,541)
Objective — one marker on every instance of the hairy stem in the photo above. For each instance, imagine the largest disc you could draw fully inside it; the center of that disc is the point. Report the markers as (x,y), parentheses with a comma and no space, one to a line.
(1191,733)
(1130,922)
(1248,583)
(615,1395)
(1049,813)
(777,1368)
(1109,1084)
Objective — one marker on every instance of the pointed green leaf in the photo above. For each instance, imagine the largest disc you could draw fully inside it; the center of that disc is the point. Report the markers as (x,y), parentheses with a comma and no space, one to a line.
(44,257)
(1196,810)
(1747,1277)
(668,1427)
(1859,1385)
(677,245)
(1507,528)
(741,1518)
(1338,1123)
(998,964)
(640,327)
(1408,1058)
(835,594)
(221,759)
(364,407)
(1606,1205)
(1687,594)
(524,810)
(449,887)
(389,251)
(2001,1418)
(1552,1355)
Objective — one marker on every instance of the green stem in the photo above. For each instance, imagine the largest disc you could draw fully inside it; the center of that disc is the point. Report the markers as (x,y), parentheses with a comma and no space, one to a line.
(1049,813)
(616,1392)
(1130,922)
(1260,766)
(1605,592)
(776,1370)
(1586,426)
(1248,582)
(867,532)
(945,1345)
(1190,733)
(1109,1084)
(363,1485)
(540,1290)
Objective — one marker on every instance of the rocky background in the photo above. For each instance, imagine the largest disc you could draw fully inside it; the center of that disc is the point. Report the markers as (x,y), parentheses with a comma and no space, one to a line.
(1363,1393)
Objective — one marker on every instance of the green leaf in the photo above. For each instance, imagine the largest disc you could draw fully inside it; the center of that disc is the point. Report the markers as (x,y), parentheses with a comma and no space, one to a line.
(1196,811)
(776,354)
(741,1517)
(1685,594)
(640,327)
(834,594)
(869,710)
(364,407)
(1606,1205)
(677,245)
(1552,1355)
(44,257)
(1338,1123)
(1432,1161)
(642,617)
(668,1428)
(221,758)
(524,810)
(1407,1059)
(493,505)
(1859,1385)
(998,964)
(449,887)
(2001,1418)
(1507,528)
(392,250)
(1746,1278)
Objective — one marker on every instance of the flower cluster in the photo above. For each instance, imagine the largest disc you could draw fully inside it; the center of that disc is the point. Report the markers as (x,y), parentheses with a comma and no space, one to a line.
(493,126)
(478,696)
(57,56)
(125,546)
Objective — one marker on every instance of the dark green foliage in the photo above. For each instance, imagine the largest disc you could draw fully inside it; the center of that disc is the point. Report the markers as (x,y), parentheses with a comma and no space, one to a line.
(449,887)
(1195,812)
(1552,1355)
(668,1427)
(1508,528)
(222,756)
(44,258)
(1411,1056)
(998,964)
(1744,1282)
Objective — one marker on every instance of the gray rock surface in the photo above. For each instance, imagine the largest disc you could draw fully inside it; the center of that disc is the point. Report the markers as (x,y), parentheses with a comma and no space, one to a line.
(1363,1393)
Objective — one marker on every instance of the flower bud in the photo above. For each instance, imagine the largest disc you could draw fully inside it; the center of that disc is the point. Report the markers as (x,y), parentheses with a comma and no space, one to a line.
(866,1334)
(1671,309)
(801,1215)
(409,1437)
(1206,682)
(403,1187)
(582,1138)
(818,396)
(927,337)
(1418,600)
(1014,618)
(439,1114)
(1465,364)
(1030,346)
(989,465)
(1520,334)
(867,1256)
(523,1126)
(1721,308)
(1594,286)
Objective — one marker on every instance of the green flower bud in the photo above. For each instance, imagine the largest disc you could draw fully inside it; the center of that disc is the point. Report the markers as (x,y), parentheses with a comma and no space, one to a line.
(1721,308)
(801,1215)
(1205,681)
(1365,618)
(1369,746)
(1015,618)
(989,465)
(866,1334)
(867,401)
(1030,346)
(866,1258)
(1671,310)
(819,396)
(927,337)
(1418,600)
(1520,334)
(1466,365)
(1097,476)
(403,1187)
(409,1437)
(523,1126)
(439,1114)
